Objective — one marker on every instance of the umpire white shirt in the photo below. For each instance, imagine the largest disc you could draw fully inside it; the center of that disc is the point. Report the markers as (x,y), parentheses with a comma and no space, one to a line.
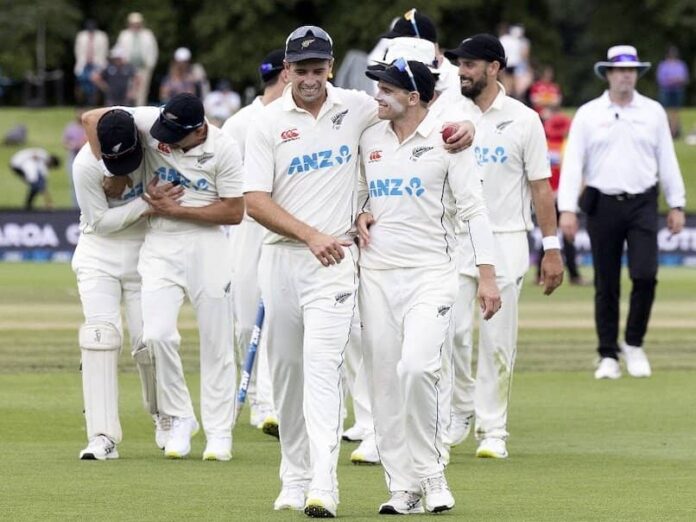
(414,190)
(310,166)
(620,149)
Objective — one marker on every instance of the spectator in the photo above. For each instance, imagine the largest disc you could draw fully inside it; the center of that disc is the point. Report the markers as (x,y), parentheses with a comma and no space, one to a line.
(91,51)
(183,77)
(545,93)
(516,76)
(672,77)
(140,48)
(222,103)
(74,138)
(32,166)
(119,81)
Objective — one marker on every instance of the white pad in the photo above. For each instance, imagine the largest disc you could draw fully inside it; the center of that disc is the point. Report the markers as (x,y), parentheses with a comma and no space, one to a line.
(100,344)
(145,360)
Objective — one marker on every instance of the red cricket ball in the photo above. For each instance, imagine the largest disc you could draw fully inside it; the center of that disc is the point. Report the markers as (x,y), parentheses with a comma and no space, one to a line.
(447,132)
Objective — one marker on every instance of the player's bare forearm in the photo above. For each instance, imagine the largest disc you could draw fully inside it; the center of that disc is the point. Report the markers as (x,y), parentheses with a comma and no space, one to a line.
(263,209)
(544,207)
(90,119)
(226,211)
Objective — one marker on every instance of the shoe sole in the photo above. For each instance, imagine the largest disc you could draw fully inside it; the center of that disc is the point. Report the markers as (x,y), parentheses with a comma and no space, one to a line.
(348,439)
(362,462)
(440,509)
(318,511)
(215,457)
(487,454)
(271,428)
(91,456)
(391,510)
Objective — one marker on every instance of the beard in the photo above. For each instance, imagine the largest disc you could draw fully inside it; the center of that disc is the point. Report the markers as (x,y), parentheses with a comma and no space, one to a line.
(473,90)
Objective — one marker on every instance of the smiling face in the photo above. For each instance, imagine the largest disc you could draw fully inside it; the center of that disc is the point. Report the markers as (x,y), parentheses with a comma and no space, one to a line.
(392,101)
(308,79)
(475,75)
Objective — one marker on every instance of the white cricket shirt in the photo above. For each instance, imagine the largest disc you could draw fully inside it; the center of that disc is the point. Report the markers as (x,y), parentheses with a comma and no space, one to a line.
(308,165)
(208,172)
(510,149)
(620,149)
(237,125)
(32,162)
(415,190)
(102,216)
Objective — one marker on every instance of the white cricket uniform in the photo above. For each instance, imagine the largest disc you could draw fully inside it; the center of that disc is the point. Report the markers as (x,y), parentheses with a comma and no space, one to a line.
(105,263)
(309,166)
(32,162)
(246,250)
(194,259)
(511,151)
(415,191)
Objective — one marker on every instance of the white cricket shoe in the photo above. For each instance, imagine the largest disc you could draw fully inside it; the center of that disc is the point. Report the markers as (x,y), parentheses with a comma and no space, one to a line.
(179,443)
(218,448)
(492,448)
(637,363)
(270,426)
(366,453)
(608,368)
(436,494)
(163,426)
(459,428)
(100,447)
(291,497)
(402,503)
(321,504)
(355,434)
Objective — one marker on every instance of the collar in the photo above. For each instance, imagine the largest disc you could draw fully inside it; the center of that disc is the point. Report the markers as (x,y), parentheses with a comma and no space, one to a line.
(208,146)
(333,97)
(427,125)
(637,100)
(499,99)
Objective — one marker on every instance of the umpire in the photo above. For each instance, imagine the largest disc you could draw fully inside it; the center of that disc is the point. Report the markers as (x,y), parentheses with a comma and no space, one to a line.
(620,146)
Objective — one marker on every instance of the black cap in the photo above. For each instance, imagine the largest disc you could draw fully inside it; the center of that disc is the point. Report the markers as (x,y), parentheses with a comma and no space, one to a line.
(308,42)
(414,24)
(119,142)
(182,115)
(479,47)
(397,74)
(271,65)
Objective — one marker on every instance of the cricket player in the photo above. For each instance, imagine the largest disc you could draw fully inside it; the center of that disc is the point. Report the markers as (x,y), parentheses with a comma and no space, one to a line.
(411,192)
(185,253)
(246,247)
(511,153)
(105,263)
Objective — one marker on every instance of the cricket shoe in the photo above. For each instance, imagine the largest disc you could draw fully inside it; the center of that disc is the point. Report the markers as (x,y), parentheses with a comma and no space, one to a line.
(321,504)
(355,434)
(291,497)
(637,363)
(100,447)
(436,493)
(163,426)
(402,503)
(218,448)
(608,368)
(459,428)
(492,448)
(178,445)
(270,426)
(366,453)
(258,414)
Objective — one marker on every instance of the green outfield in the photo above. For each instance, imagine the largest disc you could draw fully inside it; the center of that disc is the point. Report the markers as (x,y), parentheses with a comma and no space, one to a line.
(46,126)
(580,449)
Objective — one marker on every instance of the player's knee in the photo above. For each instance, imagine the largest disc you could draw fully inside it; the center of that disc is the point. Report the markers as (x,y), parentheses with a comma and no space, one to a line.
(644,284)
(99,336)
(160,336)
(415,367)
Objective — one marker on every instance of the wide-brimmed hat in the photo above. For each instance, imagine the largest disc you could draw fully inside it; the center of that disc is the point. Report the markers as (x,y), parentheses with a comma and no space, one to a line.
(624,56)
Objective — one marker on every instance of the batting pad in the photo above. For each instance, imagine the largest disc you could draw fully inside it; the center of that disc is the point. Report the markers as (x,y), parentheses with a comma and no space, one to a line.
(100,344)
(145,361)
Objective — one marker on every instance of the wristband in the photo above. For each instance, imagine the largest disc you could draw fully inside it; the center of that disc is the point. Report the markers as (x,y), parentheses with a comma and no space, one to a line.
(104,170)
(551,243)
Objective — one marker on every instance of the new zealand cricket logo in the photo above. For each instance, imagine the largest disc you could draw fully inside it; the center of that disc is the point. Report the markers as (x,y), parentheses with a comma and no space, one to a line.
(337,120)
(418,152)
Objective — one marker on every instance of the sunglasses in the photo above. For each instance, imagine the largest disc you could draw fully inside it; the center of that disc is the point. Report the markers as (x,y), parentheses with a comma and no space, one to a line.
(116,155)
(402,66)
(305,30)
(176,125)
(411,17)
(265,68)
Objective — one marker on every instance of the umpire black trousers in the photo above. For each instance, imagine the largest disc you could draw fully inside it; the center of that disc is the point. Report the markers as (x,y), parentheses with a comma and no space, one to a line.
(615,220)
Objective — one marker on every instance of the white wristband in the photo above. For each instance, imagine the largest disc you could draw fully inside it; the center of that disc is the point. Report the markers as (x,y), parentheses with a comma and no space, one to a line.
(105,171)
(551,243)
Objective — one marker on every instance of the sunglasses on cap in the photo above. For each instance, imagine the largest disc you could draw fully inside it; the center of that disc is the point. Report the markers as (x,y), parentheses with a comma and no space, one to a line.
(411,17)
(265,68)
(167,121)
(302,32)
(116,155)
(402,65)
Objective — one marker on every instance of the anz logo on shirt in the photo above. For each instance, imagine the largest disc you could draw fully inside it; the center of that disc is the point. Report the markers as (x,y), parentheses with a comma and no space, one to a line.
(395,187)
(319,160)
(485,155)
(135,192)
(171,175)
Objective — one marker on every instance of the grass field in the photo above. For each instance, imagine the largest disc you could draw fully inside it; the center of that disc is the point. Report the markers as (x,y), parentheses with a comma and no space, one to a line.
(580,449)
(46,130)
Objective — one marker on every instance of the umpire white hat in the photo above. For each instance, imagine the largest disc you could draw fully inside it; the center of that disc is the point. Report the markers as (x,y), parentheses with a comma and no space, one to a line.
(621,56)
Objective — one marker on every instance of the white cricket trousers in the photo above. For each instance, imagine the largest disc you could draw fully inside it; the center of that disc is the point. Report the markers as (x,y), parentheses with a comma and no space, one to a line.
(406,319)
(356,378)
(489,394)
(309,309)
(246,250)
(106,270)
(196,263)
